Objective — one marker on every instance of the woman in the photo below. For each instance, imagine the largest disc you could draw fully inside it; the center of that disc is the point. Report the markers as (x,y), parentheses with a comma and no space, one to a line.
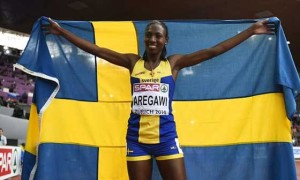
(151,128)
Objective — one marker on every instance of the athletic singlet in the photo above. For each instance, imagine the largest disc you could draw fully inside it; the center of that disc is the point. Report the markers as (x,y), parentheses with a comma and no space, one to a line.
(151,120)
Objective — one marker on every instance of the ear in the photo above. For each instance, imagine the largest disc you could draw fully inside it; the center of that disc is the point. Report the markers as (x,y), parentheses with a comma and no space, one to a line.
(167,40)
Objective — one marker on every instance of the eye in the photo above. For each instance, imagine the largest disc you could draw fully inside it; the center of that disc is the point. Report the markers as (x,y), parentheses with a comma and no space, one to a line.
(148,35)
(159,35)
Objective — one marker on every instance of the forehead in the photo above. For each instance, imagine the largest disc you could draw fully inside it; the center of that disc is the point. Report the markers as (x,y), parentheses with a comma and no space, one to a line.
(155,28)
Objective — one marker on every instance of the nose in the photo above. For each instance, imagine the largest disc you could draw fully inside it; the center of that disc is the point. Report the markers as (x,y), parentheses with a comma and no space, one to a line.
(152,39)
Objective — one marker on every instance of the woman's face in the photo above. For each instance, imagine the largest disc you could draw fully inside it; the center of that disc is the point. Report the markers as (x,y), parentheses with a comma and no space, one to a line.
(155,39)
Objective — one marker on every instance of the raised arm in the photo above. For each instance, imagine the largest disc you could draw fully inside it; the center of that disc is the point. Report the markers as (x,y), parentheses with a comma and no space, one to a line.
(124,60)
(180,61)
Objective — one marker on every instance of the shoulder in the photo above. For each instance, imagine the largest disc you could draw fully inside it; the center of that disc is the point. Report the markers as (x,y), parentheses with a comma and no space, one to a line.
(173,60)
(133,58)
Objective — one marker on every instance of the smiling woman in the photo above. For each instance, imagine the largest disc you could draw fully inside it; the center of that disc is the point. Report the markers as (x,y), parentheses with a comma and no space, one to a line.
(156,39)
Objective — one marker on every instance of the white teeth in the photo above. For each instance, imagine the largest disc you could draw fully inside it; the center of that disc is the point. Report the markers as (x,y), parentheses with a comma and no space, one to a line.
(152,46)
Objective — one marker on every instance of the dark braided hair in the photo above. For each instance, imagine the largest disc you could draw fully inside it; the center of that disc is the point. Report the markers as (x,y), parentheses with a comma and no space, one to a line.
(164,51)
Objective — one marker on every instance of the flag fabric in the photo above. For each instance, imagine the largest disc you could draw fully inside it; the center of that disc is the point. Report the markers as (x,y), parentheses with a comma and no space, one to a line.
(232,112)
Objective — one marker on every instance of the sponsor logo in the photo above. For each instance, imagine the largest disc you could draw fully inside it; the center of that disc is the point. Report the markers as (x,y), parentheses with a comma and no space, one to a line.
(150,87)
(5,161)
(8,161)
(14,162)
(146,87)
(164,88)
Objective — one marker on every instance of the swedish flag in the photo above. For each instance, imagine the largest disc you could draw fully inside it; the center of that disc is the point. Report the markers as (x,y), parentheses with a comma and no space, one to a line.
(232,112)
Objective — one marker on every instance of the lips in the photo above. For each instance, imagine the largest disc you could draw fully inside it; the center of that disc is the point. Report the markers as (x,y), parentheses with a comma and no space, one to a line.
(152,46)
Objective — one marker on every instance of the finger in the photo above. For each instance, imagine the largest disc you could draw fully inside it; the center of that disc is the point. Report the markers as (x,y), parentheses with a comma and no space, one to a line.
(271,23)
(272,28)
(271,32)
(52,21)
(265,21)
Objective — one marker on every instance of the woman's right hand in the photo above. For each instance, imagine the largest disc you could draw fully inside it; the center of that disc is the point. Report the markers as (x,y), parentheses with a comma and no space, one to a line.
(52,28)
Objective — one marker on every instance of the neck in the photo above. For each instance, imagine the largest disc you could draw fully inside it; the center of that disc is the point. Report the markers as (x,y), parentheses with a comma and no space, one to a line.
(153,57)
(150,65)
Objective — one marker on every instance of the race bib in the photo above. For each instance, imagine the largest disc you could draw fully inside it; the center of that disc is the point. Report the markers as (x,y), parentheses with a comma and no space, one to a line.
(150,99)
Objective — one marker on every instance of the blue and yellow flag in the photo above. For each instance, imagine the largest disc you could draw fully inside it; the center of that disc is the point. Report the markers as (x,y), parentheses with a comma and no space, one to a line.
(232,112)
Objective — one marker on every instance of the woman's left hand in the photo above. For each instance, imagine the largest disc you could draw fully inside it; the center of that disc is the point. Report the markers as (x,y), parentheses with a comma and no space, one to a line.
(263,27)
